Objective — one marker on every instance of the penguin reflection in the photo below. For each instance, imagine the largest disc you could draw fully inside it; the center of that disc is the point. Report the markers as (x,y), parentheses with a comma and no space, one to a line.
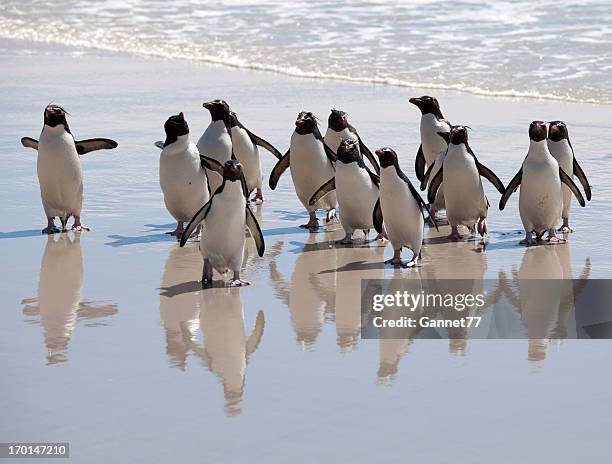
(226,348)
(310,294)
(58,304)
(544,299)
(353,265)
(468,260)
(179,301)
(393,342)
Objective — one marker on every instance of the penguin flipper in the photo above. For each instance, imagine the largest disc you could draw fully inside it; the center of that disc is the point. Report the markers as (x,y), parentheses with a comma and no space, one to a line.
(365,151)
(253,341)
(196,220)
(263,143)
(211,164)
(29,142)
(435,185)
(255,231)
(426,176)
(375,178)
(567,180)
(85,146)
(510,189)
(159,144)
(419,164)
(377,217)
(417,197)
(579,173)
(491,177)
(280,167)
(331,155)
(322,191)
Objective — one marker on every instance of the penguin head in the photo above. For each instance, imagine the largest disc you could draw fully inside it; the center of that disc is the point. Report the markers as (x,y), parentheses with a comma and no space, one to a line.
(305,123)
(458,135)
(348,151)
(56,115)
(427,105)
(219,110)
(337,120)
(232,170)
(537,131)
(557,131)
(175,126)
(387,157)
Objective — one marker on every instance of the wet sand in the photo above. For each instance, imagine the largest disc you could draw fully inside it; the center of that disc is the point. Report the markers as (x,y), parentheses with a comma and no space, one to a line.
(108,342)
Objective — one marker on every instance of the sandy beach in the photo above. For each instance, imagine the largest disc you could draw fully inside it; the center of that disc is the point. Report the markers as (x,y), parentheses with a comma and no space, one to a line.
(107,340)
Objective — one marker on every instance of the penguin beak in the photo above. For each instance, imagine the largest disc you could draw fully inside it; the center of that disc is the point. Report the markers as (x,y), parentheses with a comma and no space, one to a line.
(208,105)
(379,152)
(415,101)
(299,122)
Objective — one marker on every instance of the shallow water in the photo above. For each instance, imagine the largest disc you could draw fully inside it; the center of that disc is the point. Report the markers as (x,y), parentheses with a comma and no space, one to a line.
(551,48)
(108,342)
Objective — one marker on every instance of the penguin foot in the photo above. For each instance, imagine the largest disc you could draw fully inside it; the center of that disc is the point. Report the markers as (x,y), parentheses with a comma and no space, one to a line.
(382,236)
(554,240)
(196,234)
(454,235)
(258,198)
(238,283)
(397,262)
(331,214)
(51,230)
(347,240)
(566,229)
(482,227)
(207,283)
(312,225)
(528,240)
(78,226)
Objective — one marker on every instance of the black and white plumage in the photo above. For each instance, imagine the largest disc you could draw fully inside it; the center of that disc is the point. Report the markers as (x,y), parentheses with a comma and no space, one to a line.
(312,164)
(216,141)
(561,148)
(433,127)
(464,194)
(224,218)
(339,129)
(182,175)
(59,168)
(402,207)
(540,179)
(245,145)
(357,192)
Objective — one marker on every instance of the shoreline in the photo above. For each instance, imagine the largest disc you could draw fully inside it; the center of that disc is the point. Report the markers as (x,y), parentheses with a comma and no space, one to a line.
(514,95)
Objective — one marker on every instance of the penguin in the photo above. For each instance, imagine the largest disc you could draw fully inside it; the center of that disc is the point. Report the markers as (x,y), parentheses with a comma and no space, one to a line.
(312,164)
(433,144)
(224,218)
(338,129)
(464,194)
(541,197)
(216,141)
(357,191)
(561,148)
(59,168)
(59,305)
(227,346)
(245,145)
(182,175)
(179,303)
(402,207)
